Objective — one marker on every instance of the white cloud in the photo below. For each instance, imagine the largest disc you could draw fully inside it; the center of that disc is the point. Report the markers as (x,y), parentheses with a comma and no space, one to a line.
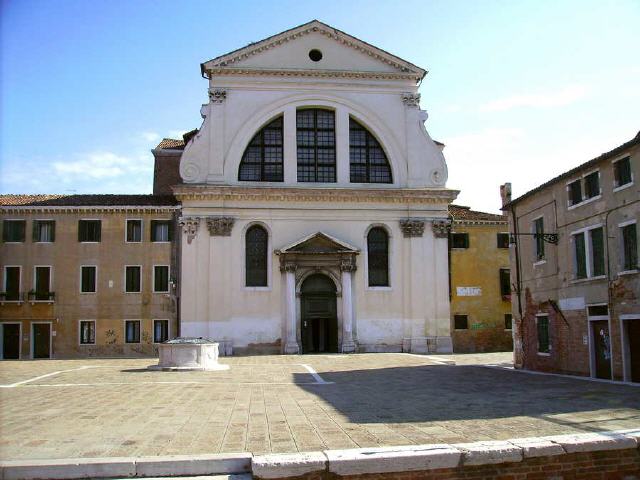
(176,133)
(558,98)
(150,136)
(101,165)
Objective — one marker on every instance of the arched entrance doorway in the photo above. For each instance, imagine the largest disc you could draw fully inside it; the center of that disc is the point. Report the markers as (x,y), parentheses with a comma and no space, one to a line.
(319,322)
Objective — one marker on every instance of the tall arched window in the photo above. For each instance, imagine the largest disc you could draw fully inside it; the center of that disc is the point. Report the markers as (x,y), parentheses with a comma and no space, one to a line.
(256,251)
(316,145)
(368,162)
(262,160)
(378,257)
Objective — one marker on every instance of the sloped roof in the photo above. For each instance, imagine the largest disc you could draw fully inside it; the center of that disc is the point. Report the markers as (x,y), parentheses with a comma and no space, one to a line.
(171,143)
(604,156)
(318,242)
(89,200)
(228,59)
(462,213)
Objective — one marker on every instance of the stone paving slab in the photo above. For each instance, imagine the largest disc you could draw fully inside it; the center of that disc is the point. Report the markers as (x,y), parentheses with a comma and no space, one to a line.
(272,404)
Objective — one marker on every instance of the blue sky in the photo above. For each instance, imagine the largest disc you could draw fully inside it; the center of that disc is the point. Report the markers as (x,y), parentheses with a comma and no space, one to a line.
(518,90)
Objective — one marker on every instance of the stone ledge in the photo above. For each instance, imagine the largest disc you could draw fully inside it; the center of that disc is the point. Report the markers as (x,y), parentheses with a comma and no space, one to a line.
(392,459)
(593,442)
(288,465)
(68,468)
(193,465)
(491,452)
(537,447)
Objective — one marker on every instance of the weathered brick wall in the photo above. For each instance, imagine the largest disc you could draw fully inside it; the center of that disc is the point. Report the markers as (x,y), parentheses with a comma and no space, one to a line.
(166,173)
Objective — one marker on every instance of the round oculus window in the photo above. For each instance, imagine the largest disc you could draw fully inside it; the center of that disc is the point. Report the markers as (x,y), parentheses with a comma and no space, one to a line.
(315,55)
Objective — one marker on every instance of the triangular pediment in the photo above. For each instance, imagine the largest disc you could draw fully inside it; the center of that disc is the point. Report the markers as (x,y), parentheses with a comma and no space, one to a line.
(289,52)
(316,243)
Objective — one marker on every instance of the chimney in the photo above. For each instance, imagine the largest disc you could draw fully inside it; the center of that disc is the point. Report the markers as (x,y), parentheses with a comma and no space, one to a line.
(505,193)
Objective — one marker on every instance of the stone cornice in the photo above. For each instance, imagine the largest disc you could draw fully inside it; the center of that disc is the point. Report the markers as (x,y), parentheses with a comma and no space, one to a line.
(88,209)
(331,195)
(480,222)
(312,73)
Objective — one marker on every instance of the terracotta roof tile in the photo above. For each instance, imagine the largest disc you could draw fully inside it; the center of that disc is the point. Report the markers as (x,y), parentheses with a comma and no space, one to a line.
(461,213)
(87,200)
(170,143)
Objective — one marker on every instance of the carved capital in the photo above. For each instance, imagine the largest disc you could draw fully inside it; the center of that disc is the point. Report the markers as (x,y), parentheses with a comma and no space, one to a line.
(220,226)
(347,266)
(217,96)
(411,99)
(190,227)
(441,228)
(289,267)
(412,227)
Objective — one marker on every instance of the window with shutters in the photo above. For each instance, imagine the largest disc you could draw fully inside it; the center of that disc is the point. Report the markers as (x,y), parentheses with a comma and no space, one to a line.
(262,160)
(503,240)
(574,190)
(13,230)
(134,231)
(378,257)
(367,161)
(622,175)
(588,253)
(161,278)
(629,250)
(42,284)
(459,240)
(256,256)
(11,291)
(316,145)
(44,231)
(132,282)
(89,230)
(161,231)
(88,278)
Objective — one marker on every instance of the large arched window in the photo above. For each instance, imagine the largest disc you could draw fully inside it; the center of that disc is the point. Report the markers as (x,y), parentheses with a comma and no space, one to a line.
(316,145)
(256,252)
(368,162)
(262,160)
(378,257)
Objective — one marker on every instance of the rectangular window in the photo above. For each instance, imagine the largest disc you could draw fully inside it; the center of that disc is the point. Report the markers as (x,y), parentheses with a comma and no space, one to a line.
(161,230)
(459,240)
(88,276)
(89,230)
(592,185)
(598,310)
(574,190)
(580,255)
(11,284)
(44,231)
(503,240)
(132,331)
(508,321)
(629,247)
(597,252)
(316,145)
(460,322)
(13,230)
(622,172)
(161,278)
(132,279)
(42,283)
(538,230)
(160,331)
(505,283)
(543,333)
(134,231)
(87,332)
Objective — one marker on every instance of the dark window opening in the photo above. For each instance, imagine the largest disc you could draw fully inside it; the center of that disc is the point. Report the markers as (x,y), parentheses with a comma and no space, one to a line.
(459,240)
(132,280)
(315,55)
(575,192)
(503,240)
(132,331)
(134,230)
(505,283)
(367,161)
(580,252)
(592,185)
(161,278)
(44,231)
(629,247)
(161,231)
(160,331)
(622,172)
(11,284)
(598,310)
(89,230)
(13,230)
(87,332)
(262,160)
(43,283)
(597,252)
(88,279)
(460,322)
(256,257)
(316,145)
(508,321)
(378,257)
(538,226)
(543,334)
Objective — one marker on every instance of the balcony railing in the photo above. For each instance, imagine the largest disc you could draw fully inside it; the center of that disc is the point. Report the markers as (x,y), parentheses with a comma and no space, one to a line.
(45,297)
(11,297)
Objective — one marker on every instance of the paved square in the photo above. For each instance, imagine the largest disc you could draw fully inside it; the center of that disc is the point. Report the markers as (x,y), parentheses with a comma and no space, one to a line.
(98,408)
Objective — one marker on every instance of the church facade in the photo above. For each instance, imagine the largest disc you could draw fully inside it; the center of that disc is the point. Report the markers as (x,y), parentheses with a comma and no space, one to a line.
(314,203)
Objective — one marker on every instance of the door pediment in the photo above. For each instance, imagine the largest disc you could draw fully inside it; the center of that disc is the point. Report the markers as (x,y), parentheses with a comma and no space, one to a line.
(318,243)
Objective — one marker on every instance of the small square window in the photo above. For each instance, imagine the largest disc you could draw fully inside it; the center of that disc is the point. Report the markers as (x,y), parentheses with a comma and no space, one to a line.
(503,240)
(132,331)
(13,230)
(459,240)
(161,278)
(44,231)
(161,230)
(89,230)
(134,231)
(592,185)
(460,322)
(88,276)
(160,331)
(508,321)
(622,172)
(132,279)
(87,332)
(574,190)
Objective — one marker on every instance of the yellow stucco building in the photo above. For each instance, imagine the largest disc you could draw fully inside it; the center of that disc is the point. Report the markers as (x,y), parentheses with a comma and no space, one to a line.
(479,281)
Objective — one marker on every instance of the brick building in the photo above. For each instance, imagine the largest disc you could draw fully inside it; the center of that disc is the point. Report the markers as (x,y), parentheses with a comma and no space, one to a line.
(575,267)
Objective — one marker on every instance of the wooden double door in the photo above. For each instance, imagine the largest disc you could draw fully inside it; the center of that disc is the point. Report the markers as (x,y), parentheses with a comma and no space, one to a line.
(319,322)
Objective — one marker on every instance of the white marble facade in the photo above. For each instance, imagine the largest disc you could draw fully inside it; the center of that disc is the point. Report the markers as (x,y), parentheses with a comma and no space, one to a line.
(314,228)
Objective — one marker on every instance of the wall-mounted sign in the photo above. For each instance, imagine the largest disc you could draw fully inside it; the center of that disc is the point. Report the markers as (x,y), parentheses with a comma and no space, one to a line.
(468,291)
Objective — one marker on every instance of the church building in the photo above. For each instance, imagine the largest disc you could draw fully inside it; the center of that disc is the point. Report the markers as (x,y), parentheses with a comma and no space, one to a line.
(314,202)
